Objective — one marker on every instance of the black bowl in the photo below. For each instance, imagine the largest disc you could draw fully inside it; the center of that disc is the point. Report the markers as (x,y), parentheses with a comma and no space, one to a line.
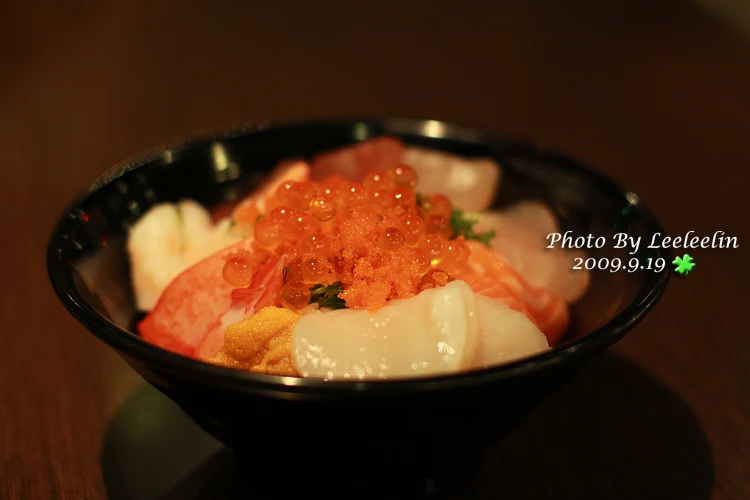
(425,430)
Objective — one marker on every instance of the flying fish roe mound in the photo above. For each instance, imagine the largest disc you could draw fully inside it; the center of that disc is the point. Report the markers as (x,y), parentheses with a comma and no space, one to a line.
(372,237)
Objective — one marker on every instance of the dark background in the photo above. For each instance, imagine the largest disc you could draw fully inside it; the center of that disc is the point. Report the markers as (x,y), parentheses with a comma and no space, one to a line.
(653,93)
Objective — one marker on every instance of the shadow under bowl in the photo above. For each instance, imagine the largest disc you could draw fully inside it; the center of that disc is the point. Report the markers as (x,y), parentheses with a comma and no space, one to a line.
(421,428)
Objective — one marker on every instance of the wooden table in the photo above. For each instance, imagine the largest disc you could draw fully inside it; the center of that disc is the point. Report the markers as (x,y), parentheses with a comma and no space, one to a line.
(652,93)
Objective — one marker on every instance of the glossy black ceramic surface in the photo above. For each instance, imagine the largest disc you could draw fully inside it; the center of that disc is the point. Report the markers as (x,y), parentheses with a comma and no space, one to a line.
(426,429)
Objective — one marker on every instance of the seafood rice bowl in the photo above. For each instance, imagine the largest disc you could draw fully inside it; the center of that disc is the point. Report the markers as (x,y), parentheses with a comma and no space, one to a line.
(374,261)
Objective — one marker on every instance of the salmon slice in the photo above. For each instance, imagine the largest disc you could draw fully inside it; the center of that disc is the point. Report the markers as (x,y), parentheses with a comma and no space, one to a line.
(490,275)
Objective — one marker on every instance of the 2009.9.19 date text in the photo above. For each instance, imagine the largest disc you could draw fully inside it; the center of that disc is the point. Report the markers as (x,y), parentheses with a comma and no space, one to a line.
(616,264)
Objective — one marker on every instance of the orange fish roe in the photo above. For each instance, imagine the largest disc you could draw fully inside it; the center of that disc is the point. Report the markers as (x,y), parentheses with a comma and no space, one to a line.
(241,265)
(372,237)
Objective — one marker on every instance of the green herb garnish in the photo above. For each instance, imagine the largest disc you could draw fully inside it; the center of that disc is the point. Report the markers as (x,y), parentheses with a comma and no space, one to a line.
(257,219)
(462,224)
(328,296)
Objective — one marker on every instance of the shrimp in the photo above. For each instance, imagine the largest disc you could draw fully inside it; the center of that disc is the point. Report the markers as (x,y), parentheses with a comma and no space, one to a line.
(491,275)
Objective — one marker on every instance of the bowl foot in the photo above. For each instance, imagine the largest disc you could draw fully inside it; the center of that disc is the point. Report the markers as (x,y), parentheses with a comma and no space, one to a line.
(292,478)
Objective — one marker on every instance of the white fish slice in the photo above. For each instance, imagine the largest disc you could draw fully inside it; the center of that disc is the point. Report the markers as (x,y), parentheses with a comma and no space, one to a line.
(167,240)
(470,183)
(521,237)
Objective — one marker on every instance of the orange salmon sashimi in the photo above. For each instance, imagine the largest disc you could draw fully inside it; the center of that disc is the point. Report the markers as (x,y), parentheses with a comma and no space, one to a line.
(490,275)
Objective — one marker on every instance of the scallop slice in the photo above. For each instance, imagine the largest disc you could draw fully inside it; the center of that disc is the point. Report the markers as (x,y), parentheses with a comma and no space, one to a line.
(505,335)
(432,333)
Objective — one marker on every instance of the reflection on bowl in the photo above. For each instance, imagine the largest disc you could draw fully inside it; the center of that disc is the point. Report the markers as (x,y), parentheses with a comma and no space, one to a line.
(407,427)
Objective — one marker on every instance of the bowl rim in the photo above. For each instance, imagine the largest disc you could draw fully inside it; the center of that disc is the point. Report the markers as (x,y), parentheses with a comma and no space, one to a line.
(131,345)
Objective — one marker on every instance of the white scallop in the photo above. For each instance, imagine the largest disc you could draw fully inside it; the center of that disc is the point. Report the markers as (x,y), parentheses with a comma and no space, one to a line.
(505,335)
(432,333)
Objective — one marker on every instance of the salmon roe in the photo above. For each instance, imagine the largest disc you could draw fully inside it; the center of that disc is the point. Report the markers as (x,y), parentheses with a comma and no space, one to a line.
(323,207)
(314,270)
(422,260)
(391,239)
(316,244)
(237,272)
(434,278)
(434,246)
(381,198)
(412,226)
(377,180)
(438,224)
(370,236)
(353,195)
(295,295)
(456,255)
(240,265)
(404,175)
(441,205)
(269,233)
(294,271)
(404,197)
